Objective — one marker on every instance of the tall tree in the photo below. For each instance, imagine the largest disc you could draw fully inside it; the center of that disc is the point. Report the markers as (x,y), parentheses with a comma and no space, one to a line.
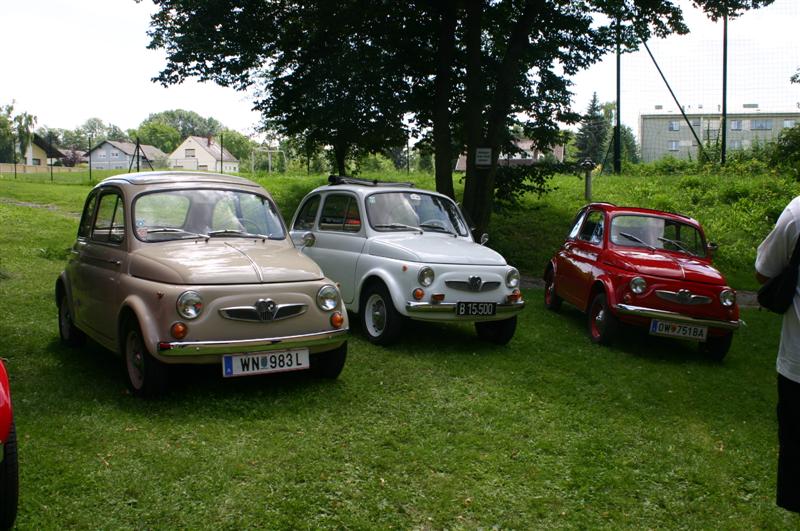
(344,74)
(159,134)
(187,123)
(591,140)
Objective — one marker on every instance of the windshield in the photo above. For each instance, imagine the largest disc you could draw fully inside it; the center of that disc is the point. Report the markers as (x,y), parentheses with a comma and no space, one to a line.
(188,214)
(398,211)
(653,232)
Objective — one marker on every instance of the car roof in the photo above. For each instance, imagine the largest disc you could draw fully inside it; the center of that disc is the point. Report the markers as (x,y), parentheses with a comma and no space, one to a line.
(364,187)
(177,177)
(613,209)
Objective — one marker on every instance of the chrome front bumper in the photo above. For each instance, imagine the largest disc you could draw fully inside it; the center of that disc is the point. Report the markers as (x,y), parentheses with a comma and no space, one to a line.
(450,307)
(202,348)
(652,313)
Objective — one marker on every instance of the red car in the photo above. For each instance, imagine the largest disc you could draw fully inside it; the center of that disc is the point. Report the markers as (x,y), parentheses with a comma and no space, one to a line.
(644,268)
(9,481)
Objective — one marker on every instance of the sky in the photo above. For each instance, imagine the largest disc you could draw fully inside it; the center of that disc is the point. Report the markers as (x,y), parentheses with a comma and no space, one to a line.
(89,58)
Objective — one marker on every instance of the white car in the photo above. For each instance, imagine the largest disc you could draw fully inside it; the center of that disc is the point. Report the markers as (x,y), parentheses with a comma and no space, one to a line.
(399,252)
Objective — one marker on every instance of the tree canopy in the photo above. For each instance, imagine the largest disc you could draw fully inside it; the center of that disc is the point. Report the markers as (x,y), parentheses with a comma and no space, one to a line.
(346,74)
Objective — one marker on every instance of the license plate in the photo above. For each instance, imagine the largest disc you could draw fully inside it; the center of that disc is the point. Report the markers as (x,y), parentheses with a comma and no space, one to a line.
(266,362)
(666,328)
(475,309)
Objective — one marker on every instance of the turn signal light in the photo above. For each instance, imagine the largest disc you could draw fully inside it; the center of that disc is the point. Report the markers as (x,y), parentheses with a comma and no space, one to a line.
(418,294)
(337,319)
(515,296)
(437,297)
(179,330)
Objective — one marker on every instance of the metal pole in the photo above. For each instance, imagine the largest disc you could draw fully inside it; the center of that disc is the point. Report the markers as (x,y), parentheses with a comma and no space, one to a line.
(90,158)
(14,152)
(221,148)
(724,151)
(618,125)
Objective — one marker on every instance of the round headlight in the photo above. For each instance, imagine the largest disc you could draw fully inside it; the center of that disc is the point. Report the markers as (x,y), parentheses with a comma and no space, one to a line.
(425,276)
(638,285)
(327,297)
(189,305)
(512,278)
(727,297)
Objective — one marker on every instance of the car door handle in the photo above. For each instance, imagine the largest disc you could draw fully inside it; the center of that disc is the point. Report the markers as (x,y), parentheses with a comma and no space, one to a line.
(113,262)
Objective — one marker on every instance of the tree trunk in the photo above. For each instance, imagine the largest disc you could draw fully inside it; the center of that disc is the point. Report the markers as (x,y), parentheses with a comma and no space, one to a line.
(442,141)
(473,122)
(479,186)
(340,155)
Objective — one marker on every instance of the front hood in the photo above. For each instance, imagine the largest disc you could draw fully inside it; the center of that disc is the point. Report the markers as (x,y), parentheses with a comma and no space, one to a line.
(222,262)
(666,265)
(433,249)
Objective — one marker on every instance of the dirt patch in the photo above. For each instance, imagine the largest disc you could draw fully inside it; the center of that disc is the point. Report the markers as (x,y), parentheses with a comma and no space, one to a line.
(50,208)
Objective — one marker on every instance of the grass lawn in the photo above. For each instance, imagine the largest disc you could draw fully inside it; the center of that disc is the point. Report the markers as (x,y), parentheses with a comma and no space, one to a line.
(440,431)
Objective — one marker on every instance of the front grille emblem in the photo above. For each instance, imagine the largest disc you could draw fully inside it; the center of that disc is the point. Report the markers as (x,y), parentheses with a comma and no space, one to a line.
(266,309)
(684,296)
(475,283)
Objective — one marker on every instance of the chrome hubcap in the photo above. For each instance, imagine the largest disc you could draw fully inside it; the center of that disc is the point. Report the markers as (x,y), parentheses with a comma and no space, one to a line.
(376,315)
(135,360)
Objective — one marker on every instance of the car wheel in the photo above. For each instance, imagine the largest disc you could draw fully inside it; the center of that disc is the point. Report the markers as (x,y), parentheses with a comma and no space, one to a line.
(717,347)
(9,481)
(147,377)
(551,300)
(329,364)
(70,334)
(498,332)
(381,322)
(602,323)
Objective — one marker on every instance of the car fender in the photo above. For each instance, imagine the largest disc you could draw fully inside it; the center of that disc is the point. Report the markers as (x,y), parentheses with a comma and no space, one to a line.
(603,282)
(389,280)
(62,284)
(6,410)
(134,304)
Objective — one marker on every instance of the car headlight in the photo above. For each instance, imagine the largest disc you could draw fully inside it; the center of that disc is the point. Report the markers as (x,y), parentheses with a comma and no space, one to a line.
(727,297)
(638,285)
(189,305)
(327,297)
(512,278)
(425,276)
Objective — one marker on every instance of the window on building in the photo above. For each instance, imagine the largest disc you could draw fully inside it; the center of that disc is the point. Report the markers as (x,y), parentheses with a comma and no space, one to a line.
(101,154)
(674,125)
(672,145)
(115,154)
(695,122)
(189,153)
(761,125)
(736,144)
(788,123)
(736,125)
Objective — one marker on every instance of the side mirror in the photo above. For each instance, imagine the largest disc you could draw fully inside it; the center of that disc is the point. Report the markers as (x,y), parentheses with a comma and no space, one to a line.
(309,239)
(484,238)
(712,248)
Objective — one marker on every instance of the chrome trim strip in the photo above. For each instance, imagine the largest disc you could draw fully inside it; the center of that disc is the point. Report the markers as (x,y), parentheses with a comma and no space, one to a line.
(225,312)
(450,307)
(679,298)
(652,313)
(463,285)
(189,348)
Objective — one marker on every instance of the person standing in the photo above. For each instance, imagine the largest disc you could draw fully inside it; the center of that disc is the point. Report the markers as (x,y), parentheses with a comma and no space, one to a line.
(772,257)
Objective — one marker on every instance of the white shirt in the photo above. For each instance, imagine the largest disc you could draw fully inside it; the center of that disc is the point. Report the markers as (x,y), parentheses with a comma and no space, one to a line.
(772,256)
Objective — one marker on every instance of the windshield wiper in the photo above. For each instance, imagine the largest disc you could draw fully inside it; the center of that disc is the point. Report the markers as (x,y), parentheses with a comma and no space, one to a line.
(677,244)
(173,230)
(437,227)
(237,233)
(636,239)
(395,226)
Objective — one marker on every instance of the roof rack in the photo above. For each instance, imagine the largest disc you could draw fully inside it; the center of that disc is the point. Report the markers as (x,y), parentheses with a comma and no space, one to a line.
(341,179)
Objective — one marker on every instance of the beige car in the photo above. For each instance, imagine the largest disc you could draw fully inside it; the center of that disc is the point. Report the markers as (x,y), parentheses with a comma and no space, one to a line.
(186,268)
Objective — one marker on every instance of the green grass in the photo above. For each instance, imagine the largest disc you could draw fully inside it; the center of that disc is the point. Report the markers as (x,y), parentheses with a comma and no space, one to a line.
(440,431)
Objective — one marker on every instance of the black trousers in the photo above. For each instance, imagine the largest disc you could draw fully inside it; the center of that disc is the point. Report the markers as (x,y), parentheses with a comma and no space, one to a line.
(789,444)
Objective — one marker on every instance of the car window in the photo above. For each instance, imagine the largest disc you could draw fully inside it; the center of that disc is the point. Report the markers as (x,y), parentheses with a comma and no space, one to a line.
(340,212)
(109,223)
(308,214)
(592,229)
(181,214)
(576,226)
(391,211)
(658,233)
(85,227)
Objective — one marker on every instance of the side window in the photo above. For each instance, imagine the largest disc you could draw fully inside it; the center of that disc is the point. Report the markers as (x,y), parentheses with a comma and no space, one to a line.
(592,229)
(308,214)
(340,212)
(573,233)
(109,224)
(85,228)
